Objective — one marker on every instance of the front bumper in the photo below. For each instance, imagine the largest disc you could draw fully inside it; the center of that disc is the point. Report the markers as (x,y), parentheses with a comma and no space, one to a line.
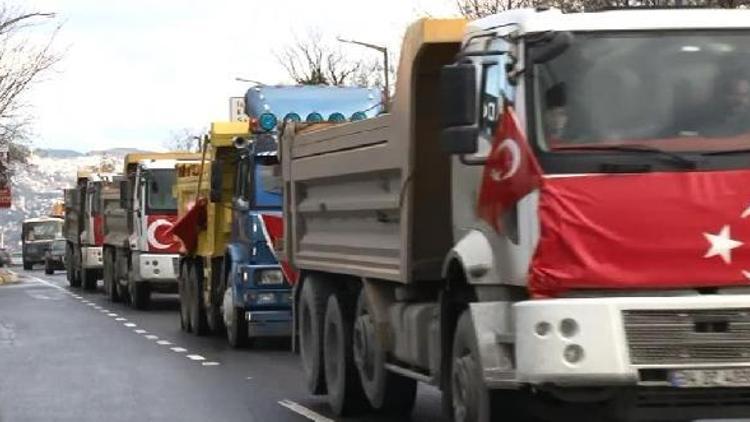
(157,267)
(269,323)
(91,257)
(625,341)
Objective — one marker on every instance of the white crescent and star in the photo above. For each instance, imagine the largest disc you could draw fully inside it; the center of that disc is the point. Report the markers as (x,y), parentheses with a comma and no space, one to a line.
(152,233)
(722,244)
(515,153)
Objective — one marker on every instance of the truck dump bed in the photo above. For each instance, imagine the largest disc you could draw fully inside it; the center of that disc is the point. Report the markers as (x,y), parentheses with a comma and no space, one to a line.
(116,224)
(213,238)
(372,198)
(72,227)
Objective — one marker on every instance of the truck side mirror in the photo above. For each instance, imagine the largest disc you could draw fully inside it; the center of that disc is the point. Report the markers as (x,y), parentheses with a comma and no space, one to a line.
(458,101)
(125,194)
(550,46)
(215,188)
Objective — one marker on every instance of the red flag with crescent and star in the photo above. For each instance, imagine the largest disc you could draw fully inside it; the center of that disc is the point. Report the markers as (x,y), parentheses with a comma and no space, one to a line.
(511,171)
(643,231)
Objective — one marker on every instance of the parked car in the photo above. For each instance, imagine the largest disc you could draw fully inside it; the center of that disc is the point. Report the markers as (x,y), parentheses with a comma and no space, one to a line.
(16,258)
(54,256)
(4,257)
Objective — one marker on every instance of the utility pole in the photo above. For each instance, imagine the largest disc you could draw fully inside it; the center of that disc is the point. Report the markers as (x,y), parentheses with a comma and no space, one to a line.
(384,50)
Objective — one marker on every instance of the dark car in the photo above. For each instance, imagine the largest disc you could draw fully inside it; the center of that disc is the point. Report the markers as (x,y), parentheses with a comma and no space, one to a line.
(54,256)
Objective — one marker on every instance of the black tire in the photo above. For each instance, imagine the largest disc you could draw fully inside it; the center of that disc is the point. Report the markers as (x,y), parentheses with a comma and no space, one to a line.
(140,294)
(198,322)
(386,391)
(28,266)
(345,395)
(88,279)
(235,322)
(310,313)
(70,267)
(109,276)
(214,316)
(471,401)
(183,288)
(48,268)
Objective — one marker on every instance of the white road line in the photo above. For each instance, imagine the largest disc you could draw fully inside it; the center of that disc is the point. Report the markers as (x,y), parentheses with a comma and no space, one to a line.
(164,342)
(302,410)
(178,349)
(140,331)
(105,310)
(112,314)
(129,325)
(121,319)
(210,363)
(151,337)
(195,357)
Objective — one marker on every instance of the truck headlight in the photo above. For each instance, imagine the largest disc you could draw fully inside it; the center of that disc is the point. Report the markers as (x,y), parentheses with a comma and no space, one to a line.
(269,277)
(263,298)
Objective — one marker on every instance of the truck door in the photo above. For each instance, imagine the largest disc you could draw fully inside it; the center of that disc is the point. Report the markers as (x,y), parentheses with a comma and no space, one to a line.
(494,90)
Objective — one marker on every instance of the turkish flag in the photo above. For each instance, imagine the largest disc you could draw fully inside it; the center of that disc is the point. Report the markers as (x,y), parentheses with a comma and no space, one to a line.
(188,225)
(273,225)
(511,171)
(643,231)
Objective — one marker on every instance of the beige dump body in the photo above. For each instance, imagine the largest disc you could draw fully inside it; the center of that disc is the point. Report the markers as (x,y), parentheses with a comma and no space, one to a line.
(372,198)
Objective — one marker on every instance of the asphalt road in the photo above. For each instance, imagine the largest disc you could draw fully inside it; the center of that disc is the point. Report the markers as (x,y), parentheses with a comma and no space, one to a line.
(69,355)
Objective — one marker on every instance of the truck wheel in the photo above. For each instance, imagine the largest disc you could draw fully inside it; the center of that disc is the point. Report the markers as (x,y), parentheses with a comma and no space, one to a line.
(387,392)
(88,279)
(197,312)
(219,278)
(183,289)
(234,320)
(70,268)
(345,395)
(471,400)
(311,311)
(109,276)
(48,268)
(27,266)
(140,294)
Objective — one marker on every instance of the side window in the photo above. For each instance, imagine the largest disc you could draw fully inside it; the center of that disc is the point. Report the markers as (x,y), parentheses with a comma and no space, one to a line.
(248,181)
(492,99)
(240,187)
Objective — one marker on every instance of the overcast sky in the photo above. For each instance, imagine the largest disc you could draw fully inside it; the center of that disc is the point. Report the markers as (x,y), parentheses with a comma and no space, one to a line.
(137,70)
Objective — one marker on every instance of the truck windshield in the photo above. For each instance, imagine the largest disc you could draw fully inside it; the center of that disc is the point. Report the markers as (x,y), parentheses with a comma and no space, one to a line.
(159,190)
(268,185)
(47,230)
(672,91)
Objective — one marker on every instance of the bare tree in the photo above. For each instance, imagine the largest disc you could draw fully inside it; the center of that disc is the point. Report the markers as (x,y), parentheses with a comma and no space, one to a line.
(23,62)
(184,140)
(313,61)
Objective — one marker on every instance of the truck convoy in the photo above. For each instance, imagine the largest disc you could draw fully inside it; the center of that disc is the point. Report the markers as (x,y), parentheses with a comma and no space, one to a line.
(138,208)
(37,235)
(615,287)
(83,228)
(230,277)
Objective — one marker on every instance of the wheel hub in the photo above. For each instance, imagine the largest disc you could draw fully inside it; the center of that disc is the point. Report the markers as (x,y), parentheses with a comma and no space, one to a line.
(462,389)
(364,342)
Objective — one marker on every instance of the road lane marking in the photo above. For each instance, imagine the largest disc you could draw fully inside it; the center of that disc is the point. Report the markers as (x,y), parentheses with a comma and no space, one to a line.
(195,357)
(112,314)
(210,363)
(178,349)
(303,411)
(164,342)
(121,319)
(151,337)
(140,331)
(129,325)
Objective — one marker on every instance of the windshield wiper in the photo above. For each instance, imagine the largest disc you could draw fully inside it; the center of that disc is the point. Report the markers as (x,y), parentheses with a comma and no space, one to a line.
(728,152)
(675,158)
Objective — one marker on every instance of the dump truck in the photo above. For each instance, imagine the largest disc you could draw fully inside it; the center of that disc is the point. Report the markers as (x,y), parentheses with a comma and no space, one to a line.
(138,209)
(551,220)
(230,276)
(82,227)
(37,235)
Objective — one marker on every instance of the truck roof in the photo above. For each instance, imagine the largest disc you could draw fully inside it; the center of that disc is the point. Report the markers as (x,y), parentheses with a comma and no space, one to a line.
(138,157)
(42,219)
(223,133)
(167,164)
(533,20)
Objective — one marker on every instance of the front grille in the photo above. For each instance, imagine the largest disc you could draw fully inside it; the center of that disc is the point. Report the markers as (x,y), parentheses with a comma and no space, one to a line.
(707,336)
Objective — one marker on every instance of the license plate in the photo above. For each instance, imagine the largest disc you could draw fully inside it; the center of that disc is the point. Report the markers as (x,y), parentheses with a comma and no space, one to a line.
(697,378)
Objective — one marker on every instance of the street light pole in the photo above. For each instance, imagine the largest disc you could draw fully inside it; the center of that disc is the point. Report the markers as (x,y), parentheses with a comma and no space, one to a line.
(386,80)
